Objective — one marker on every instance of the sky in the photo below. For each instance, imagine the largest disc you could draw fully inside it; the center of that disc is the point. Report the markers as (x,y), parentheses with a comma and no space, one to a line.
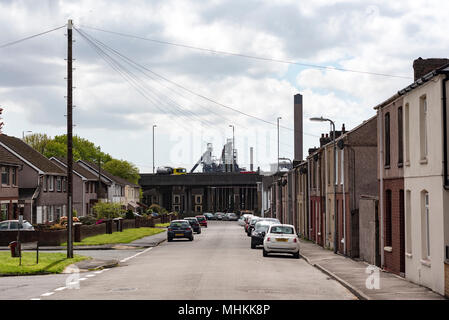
(188,93)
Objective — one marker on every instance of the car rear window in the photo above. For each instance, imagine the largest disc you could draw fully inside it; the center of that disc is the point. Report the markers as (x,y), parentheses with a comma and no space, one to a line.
(4,225)
(200,218)
(282,229)
(179,224)
(261,227)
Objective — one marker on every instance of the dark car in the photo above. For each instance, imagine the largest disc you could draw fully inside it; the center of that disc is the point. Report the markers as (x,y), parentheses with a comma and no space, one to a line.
(194,223)
(209,216)
(219,215)
(202,220)
(254,220)
(179,229)
(260,229)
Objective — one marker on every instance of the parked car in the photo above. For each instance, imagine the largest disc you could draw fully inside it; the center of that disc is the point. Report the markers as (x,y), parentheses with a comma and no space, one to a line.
(179,229)
(209,216)
(219,215)
(281,238)
(258,234)
(256,219)
(247,219)
(241,221)
(13,225)
(230,216)
(202,220)
(194,223)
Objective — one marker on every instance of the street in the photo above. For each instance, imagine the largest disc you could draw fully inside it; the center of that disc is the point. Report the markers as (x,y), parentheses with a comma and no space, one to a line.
(218,264)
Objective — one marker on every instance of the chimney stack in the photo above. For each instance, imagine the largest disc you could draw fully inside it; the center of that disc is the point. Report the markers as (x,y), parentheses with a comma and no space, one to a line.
(251,166)
(298,119)
(421,66)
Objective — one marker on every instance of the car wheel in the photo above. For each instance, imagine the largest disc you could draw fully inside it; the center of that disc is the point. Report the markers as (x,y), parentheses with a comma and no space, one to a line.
(169,239)
(191,238)
(296,255)
(199,231)
(253,245)
(265,253)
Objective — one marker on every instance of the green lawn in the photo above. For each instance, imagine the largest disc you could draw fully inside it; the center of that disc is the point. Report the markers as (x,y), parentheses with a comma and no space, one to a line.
(127,236)
(48,263)
(162,225)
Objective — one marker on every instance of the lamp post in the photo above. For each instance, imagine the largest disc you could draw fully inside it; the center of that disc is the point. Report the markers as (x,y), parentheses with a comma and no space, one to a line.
(321,119)
(154,126)
(279,118)
(233,146)
(23,134)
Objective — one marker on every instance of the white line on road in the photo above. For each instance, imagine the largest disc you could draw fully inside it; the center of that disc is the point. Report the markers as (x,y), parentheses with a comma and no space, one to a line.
(47,294)
(90,275)
(35,298)
(129,258)
(60,289)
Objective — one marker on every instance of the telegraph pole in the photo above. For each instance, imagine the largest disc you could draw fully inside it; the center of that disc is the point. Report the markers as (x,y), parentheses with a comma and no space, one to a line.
(69,142)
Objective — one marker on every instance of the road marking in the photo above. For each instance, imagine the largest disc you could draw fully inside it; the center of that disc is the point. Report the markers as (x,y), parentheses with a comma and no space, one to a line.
(35,298)
(137,254)
(47,294)
(98,272)
(82,279)
(60,289)
(90,275)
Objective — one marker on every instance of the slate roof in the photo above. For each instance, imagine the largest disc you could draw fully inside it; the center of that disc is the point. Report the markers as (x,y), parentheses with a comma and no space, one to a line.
(8,158)
(29,154)
(110,176)
(79,169)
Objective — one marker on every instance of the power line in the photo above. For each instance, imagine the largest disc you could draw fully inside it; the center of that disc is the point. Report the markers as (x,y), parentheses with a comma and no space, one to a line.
(200,95)
(30,37)
(246,55)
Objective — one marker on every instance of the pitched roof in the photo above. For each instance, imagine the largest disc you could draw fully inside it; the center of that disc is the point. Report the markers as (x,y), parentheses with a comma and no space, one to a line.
(8,158)
(30,155)
(110,176)
(79,169)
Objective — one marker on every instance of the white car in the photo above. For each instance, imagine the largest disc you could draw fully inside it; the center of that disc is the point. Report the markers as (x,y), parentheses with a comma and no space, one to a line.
(281,238)
(13,225)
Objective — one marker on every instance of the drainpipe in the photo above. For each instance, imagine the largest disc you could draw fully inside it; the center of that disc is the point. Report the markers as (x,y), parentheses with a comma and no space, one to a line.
(381,192)
(308,200)
(344,200)
(445,156)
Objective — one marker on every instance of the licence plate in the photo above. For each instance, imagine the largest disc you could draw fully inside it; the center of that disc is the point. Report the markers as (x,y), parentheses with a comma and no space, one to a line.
(281,240)
(179,234)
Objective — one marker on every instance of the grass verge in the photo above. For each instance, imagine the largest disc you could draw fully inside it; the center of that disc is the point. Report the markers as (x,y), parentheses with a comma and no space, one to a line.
(162,225)
(48,263)
(127,236)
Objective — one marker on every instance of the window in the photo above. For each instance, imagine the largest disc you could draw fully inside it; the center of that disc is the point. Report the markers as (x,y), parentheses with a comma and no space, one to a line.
(342,174)
(408,222)
(425,226)
(423,127)
(5,176)
(58,184)
(14,176)
(336,169)
(329,166)
(388,222)
(407,134)
(58,213)
(387,139)
(4,212)
(44,183)
(64,184)
(400,138)
(176,199)
(51,183)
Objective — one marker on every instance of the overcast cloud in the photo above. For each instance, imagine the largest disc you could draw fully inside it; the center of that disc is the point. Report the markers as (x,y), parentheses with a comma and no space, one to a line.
(118,114)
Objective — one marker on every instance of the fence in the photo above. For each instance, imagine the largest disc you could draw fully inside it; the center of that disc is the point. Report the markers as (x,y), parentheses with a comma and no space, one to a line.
(57,237)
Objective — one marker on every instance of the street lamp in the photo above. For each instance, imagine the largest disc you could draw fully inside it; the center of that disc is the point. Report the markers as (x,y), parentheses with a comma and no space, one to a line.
(233,146)
(279,118)
(321,119)
(154,126)
(23,134)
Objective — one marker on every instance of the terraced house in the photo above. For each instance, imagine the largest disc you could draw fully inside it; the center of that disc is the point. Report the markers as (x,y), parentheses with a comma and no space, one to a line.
(42,184)
(9,188)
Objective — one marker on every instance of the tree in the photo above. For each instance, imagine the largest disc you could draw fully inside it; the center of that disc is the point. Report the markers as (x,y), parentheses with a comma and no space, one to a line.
(38,141)
(107,210)
(123,169)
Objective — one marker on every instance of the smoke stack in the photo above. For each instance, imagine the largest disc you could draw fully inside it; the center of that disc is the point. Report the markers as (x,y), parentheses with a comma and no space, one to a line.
(251,165)
(298,118)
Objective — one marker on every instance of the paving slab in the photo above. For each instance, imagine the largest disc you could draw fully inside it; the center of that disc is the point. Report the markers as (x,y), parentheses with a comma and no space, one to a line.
(354,275)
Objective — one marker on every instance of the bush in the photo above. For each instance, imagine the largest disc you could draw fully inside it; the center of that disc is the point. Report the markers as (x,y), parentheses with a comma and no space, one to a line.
(129,214)
(88,220)
(105,210)
(155,208)
(63,220)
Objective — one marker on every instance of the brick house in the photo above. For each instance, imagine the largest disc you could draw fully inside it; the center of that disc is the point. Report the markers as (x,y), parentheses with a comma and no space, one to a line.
(9,188)
(42,184)
(84,187)
(390,170)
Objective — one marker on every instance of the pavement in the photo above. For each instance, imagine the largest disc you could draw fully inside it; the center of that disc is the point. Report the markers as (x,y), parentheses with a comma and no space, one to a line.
(358,276)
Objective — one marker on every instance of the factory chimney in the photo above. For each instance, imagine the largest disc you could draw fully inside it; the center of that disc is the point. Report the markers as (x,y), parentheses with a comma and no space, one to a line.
(251,165)
(298,136)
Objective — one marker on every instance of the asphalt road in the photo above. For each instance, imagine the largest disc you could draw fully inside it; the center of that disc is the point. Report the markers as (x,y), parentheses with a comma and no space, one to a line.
(218,264)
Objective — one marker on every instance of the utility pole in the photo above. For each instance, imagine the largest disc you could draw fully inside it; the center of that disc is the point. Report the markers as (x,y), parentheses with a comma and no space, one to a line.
(154,126)
(279,118)
(99,174)
(69,142)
